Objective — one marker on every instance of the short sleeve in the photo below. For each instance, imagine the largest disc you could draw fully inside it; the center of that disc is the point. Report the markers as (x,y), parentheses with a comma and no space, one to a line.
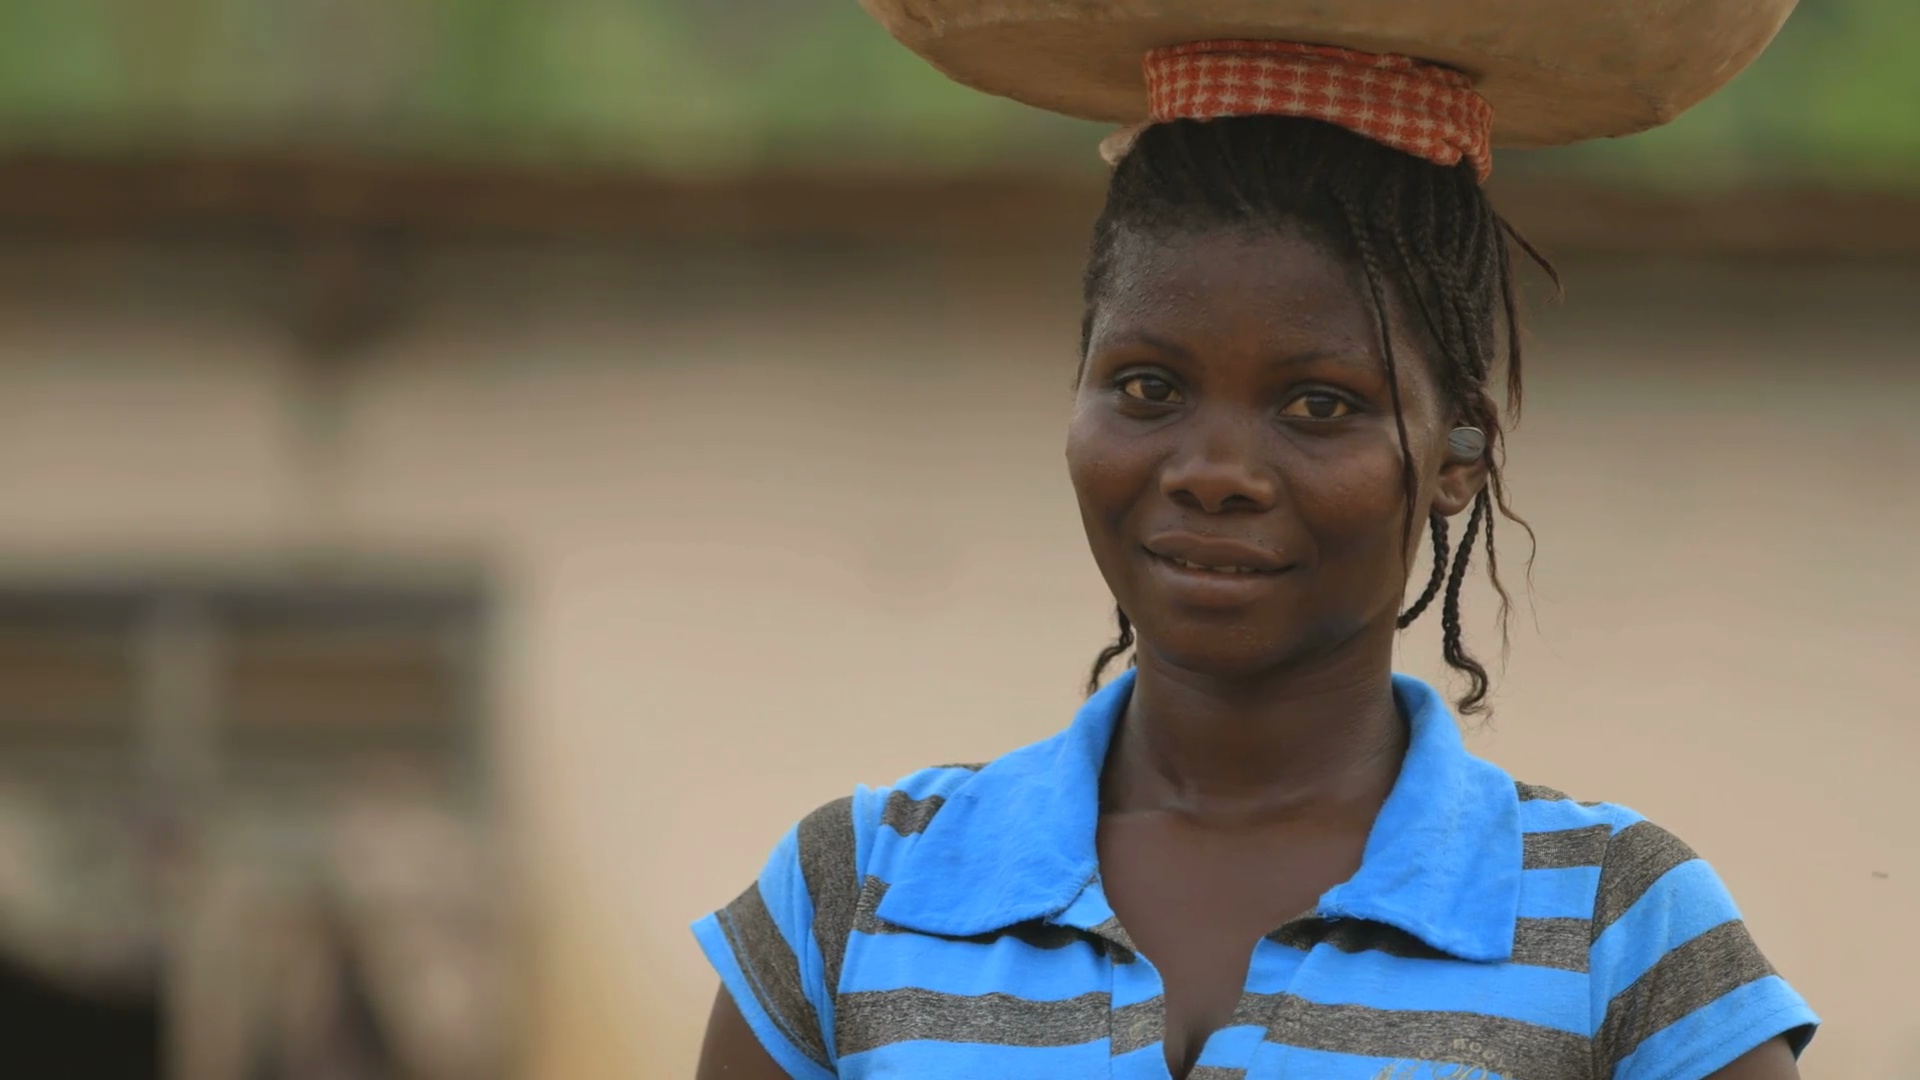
(1680,988)
(778,946)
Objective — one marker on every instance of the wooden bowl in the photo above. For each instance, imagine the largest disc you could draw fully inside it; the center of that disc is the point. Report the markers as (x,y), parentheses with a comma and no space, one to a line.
(1556,71)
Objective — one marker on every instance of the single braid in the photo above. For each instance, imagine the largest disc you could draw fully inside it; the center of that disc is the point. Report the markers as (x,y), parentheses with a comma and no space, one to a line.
(1434,580)
(1370,265)
(1451,645)
(1115,651)
(1493,575)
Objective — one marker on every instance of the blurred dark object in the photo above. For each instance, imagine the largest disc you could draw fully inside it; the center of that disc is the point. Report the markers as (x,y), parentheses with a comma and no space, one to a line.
(49,1032)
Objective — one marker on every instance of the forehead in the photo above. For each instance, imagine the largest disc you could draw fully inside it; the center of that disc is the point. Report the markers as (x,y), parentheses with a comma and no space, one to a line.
(1264,293)
(1275,280)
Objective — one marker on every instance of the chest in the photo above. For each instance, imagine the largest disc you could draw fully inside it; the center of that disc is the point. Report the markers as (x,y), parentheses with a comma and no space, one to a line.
(1342,1001)
(1196,902)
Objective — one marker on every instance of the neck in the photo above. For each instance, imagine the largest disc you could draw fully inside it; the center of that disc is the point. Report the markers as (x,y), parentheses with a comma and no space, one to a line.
(1287,744)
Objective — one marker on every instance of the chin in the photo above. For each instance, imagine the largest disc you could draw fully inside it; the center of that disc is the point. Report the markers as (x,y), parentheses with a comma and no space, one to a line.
(1243,648)
(1222,655)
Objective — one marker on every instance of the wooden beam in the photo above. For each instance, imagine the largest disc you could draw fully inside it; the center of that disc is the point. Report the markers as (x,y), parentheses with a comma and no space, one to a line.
(1785,223)
(296,194)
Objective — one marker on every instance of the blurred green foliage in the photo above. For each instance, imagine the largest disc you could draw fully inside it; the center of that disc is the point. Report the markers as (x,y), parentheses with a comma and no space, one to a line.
(723,85)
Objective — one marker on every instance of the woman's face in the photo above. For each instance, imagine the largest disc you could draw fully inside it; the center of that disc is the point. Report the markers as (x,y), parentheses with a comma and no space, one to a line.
(1234,451)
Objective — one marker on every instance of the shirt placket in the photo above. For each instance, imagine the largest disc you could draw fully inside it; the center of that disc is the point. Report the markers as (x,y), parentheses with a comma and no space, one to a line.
(1278,961)
(1138,1012)
(1137,996)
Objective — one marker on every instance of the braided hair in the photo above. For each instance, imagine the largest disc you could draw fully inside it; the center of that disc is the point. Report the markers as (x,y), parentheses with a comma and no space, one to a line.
(1422,232)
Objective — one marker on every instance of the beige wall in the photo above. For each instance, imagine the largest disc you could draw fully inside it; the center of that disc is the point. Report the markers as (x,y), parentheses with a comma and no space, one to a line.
(773,524)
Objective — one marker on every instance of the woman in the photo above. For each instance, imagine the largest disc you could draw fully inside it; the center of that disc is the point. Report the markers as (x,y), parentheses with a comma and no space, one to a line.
(1259,853)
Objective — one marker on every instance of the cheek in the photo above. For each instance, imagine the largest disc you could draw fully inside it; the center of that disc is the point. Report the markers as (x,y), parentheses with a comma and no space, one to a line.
(1108,473)
(1353,502)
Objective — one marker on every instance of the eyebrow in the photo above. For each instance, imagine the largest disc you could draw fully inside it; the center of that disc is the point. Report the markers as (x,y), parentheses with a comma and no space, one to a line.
(1159,344)
(1347,357)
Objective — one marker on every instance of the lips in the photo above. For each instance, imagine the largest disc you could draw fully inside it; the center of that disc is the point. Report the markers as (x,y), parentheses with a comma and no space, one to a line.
(1213,554)
(1213,574)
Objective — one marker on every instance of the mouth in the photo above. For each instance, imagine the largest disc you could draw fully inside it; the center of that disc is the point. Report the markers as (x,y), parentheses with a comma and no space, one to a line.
(1214,571)
(1206,568)
(1224,581)
(1215,554)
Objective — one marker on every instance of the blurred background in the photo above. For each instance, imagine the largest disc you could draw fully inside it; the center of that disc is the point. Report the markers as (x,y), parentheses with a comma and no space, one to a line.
(473,472)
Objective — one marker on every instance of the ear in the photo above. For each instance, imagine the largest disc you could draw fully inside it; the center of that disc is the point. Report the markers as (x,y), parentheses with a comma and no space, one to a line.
(1461,478)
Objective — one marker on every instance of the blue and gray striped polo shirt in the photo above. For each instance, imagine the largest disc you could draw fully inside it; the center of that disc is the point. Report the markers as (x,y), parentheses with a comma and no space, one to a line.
(954,926)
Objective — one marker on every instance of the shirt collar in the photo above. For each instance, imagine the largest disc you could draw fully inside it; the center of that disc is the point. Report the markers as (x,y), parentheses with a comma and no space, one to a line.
(1015,843)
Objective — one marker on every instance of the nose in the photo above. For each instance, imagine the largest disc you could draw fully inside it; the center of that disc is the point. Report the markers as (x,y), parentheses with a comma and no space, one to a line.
(1222,470)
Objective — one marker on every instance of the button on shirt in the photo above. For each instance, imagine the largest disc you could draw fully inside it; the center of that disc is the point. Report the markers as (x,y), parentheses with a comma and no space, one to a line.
(954,926)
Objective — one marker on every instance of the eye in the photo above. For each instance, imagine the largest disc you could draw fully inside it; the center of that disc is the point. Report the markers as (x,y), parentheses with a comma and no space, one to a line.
(1151,388)
(1317,405)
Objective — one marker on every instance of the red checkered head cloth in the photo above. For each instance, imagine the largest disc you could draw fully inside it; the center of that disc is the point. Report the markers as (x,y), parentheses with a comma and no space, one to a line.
(1426,110)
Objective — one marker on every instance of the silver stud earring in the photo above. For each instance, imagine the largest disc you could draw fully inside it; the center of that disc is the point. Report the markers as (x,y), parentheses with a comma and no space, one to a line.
(1465,445)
